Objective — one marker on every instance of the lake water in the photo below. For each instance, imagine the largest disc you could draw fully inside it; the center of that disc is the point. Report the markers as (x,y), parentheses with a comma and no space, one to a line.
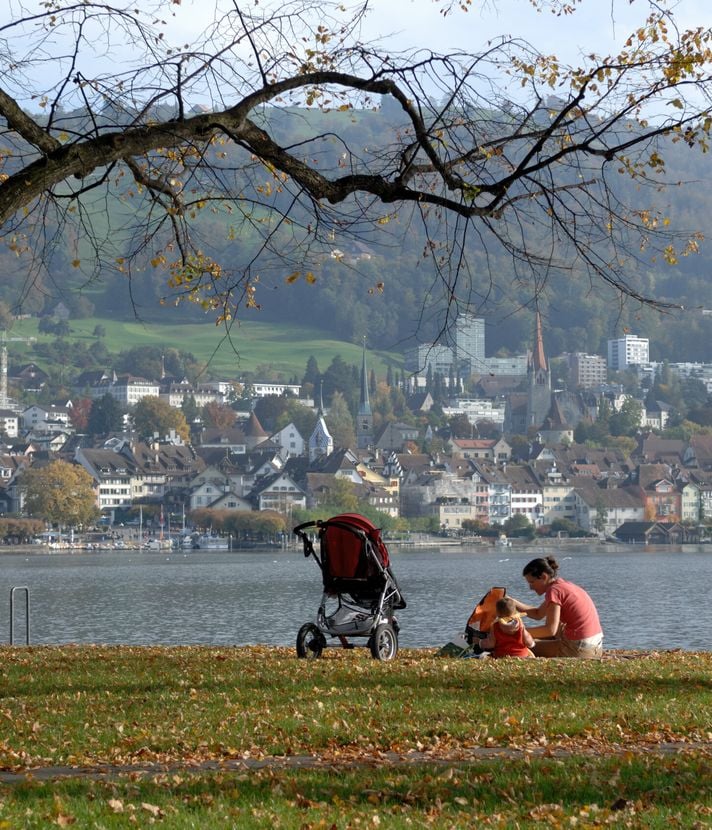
(647,598)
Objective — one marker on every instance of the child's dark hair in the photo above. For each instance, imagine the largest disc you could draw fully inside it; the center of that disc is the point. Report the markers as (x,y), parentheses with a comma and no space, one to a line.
(539,567)
(505,607)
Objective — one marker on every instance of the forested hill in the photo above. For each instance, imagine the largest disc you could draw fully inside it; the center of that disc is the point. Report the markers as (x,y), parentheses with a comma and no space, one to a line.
(386,286)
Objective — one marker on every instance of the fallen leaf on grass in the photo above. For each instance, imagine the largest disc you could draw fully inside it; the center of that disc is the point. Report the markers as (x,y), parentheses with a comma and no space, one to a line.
(544,810)
(153,809)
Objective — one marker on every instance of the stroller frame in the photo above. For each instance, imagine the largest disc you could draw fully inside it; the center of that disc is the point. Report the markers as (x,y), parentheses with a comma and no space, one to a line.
(357,582)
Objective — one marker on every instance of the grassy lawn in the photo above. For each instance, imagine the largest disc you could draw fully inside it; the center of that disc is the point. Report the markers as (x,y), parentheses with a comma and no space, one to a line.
(285,348)
(575,744)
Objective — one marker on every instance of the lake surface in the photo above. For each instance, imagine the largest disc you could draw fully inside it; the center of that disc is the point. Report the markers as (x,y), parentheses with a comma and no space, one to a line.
(647,598)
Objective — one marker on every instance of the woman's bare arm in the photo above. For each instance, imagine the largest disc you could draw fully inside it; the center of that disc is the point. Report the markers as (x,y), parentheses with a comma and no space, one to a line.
(551,626)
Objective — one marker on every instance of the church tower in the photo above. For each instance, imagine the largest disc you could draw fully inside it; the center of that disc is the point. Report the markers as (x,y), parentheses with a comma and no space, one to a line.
(538,381)
(321,443)
(364,420)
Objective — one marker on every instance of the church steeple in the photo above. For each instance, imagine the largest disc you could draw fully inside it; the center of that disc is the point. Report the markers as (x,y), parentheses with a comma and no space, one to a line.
(538,355)
(321,444)
(538,380)
(364,420)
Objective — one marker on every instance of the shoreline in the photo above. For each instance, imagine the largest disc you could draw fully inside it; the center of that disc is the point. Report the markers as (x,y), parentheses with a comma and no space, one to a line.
(402,546)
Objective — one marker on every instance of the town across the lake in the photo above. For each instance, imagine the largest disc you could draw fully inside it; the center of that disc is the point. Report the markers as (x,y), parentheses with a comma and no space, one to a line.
(419,454)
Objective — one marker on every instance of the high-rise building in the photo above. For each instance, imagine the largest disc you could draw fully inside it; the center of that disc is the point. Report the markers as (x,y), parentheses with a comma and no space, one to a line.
(587,370)
(470,344)
(429,357)
(628,351)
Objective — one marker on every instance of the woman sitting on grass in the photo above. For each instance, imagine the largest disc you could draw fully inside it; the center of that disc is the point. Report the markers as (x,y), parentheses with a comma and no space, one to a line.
(508,637)
(571,625)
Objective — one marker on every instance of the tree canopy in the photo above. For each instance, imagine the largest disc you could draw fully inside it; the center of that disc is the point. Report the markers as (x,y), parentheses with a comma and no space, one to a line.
(552,166)
(60,493)
(154,416)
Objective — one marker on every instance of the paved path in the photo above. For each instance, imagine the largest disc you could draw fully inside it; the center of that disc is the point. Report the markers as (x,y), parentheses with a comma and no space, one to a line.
(342,761)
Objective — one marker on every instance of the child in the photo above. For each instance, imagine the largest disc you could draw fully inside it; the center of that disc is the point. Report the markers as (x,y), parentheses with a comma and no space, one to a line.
(508,637)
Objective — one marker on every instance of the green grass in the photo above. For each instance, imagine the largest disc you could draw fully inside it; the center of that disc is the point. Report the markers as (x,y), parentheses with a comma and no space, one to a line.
(284,348)
(571,743)
(640,792)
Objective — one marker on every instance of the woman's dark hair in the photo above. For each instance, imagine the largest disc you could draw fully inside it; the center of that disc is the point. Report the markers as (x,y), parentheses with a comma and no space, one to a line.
(538,567)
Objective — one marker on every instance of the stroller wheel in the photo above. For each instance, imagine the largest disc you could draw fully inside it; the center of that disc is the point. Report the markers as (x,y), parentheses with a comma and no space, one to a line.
(384,642)
(310,642)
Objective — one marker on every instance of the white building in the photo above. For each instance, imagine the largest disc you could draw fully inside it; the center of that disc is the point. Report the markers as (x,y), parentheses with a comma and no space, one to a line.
(510,366)
(431,357)
(262,390)
(628,351)
(126,389)
(469,348)
(479,409)
(9,423)
(290,441)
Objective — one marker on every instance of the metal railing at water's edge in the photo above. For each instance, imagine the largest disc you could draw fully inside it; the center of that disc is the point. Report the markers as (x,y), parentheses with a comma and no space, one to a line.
(26,591)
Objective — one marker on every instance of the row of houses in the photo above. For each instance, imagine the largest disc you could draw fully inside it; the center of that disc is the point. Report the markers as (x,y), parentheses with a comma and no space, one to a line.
(474,480)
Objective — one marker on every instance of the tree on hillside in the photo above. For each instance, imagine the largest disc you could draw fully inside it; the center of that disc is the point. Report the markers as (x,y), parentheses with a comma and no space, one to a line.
(627,419)
(190,409)
(141,361)
(269,408)
(207,139)
(340,422)
(79,414)
(60,493)
(303,418)
(152,416)
(218,415)
(105,416)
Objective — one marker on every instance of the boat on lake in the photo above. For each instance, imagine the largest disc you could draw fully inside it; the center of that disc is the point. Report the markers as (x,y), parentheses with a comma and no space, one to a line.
(208,542)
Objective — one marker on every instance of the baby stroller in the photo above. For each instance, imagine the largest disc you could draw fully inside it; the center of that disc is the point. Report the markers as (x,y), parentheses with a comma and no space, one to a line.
(360,591)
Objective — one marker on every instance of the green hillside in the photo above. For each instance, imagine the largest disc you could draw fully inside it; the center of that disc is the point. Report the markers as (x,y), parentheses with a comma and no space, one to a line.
(266,348)
(388,285)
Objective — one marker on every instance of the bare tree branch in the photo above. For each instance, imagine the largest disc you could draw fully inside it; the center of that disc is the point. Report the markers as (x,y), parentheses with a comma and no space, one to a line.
(531,173)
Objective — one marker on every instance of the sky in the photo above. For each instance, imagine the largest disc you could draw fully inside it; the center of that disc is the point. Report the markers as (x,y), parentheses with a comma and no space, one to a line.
(596,25)
(600,26)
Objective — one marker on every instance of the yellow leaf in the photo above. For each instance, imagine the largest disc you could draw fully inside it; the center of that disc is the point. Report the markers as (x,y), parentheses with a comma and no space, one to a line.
(293,277)
(76,263)
(310,278)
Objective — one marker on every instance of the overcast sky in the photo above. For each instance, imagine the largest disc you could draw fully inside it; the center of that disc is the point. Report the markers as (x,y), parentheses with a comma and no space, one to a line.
(596,25)
(600,26)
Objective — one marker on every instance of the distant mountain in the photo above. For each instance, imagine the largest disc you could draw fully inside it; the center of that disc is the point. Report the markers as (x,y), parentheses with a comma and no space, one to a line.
(387,287)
